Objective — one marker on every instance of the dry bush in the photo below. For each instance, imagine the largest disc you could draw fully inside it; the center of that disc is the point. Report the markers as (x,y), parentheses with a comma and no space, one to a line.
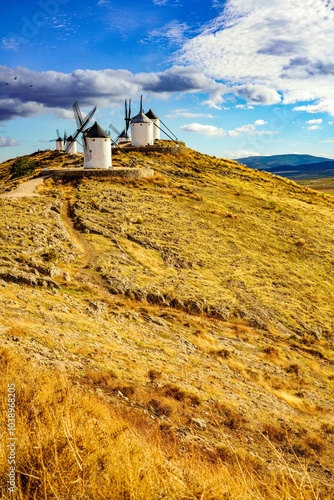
(229,416)
(175,392)
(271,352)
(159,408)
(274,433)
(154,374)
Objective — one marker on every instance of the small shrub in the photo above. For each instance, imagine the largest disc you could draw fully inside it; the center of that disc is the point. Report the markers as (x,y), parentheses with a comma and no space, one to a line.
(293,369)
(301,450)
(271,352)
(327,428)
(225,454)
(300,243)
(316,444)
(173,391)
(21,167)
(274,433)
(160,408)
(126,390)
(154,374)
(222,353)
(104,379)
(231,418)
(50,255)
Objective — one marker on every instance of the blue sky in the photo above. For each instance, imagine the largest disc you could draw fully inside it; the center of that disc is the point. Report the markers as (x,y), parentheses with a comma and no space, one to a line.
(231,78)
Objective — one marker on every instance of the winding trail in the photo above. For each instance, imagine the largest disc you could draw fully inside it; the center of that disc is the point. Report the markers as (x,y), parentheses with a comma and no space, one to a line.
(86,249)
(27,189)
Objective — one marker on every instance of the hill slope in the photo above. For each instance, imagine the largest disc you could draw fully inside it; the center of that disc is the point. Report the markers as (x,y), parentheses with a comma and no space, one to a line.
(187,322)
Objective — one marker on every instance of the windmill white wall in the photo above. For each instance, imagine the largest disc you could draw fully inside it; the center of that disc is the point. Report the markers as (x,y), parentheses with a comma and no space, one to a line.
(59,144)
(141,131)
(99,144)
(73,146)
(156,124)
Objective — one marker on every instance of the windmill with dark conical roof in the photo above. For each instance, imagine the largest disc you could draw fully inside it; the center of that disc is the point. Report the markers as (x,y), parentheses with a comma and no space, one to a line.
(141,128)
(98,144)
(60,141)
(156,124)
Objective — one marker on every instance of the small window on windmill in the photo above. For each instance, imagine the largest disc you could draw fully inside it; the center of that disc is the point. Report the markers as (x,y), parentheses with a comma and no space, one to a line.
(93,140)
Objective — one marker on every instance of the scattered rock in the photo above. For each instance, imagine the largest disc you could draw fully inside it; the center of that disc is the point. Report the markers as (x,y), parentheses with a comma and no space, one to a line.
(199,423)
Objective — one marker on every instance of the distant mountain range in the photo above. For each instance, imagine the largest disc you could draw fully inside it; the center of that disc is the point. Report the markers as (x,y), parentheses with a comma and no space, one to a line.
(293,166)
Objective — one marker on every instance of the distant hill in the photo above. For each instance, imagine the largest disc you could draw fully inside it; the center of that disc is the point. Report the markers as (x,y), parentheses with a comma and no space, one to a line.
(293,166)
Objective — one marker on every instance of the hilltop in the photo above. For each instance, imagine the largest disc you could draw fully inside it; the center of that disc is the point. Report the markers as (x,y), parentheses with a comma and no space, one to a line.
(169,337)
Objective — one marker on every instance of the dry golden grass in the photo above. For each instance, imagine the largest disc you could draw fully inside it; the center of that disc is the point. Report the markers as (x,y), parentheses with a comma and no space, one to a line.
(74,445)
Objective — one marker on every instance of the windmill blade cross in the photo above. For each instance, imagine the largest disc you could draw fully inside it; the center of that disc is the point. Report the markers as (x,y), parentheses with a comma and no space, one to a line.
(81,124)
(88,118)
(77,114)
(87,151)
(114,129)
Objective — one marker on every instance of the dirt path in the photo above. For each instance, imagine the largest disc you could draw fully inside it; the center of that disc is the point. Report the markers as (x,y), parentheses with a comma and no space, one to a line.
(87,250)
(26,189)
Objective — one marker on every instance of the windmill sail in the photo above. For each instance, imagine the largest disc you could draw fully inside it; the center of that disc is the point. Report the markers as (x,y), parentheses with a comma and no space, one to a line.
(82,124)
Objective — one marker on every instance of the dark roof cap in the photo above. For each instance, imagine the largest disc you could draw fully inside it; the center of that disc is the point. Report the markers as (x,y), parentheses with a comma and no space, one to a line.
(96,131)
(140,118)
(151,115)
(124,134)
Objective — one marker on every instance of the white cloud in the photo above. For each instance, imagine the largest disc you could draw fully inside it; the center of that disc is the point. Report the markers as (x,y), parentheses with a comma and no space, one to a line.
(322,106)
(316,121)
(213,104)
(174,32)
(183,113)
(285,48)
(240,153)
(244,106)
(313,127)
(260,122)
(314,124)
(212,131)
(160,2)
(11,43)
(6,142)
(258,94)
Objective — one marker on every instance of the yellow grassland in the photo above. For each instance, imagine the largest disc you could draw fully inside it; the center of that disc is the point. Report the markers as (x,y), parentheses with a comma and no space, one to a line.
(169,338)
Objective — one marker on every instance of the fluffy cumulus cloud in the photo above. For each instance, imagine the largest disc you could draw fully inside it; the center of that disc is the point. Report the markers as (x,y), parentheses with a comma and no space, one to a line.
(212,131)
(321,106)
(25,92)
(268,51)
(6,142)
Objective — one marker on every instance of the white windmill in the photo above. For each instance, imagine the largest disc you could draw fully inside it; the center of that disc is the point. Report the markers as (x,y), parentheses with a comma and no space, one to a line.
(60,141)
(98,144)
(156,124)
(71,146)
(141,129)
